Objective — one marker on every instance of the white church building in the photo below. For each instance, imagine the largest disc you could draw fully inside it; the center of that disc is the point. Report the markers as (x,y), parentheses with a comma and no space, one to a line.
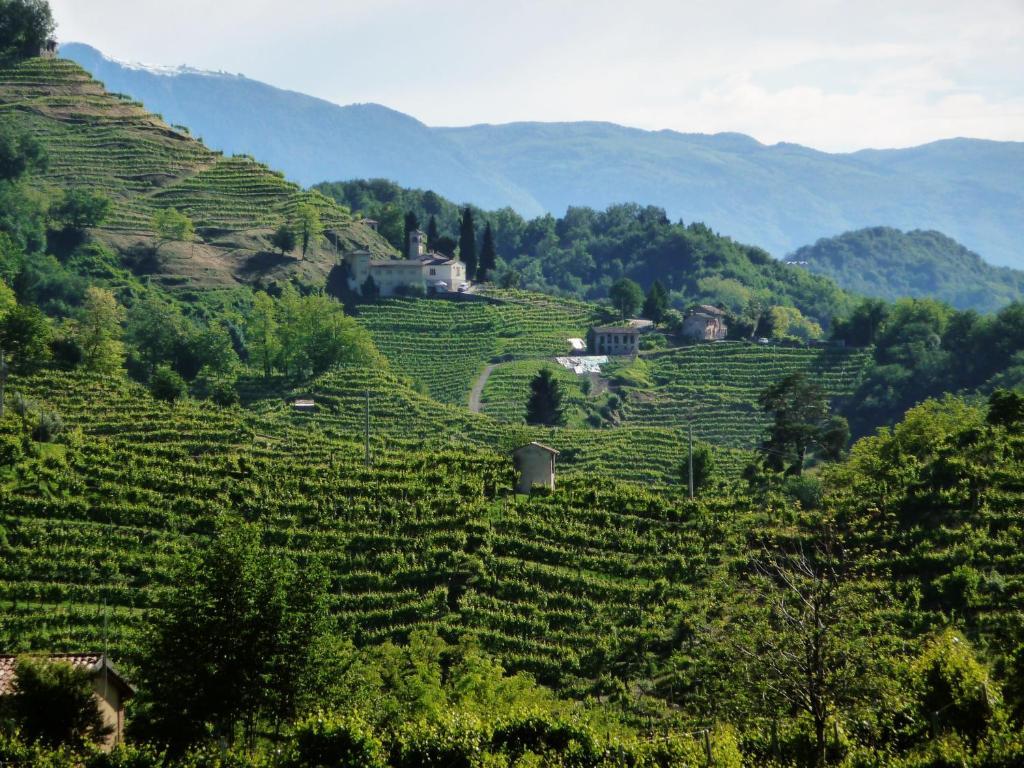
(422,272)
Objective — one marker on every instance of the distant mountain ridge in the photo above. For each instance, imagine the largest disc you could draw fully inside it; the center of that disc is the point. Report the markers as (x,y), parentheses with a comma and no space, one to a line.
(889,264)
(779,197)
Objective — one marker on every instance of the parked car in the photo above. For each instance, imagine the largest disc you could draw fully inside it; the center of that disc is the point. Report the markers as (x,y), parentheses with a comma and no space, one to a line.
(463,287)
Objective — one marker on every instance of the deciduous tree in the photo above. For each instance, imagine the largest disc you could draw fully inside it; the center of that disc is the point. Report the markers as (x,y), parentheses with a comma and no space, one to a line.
(307,225)
(171,225)
(25,26)
(54,703)
(98,331)
(626,296)
(283,239)
(800,423)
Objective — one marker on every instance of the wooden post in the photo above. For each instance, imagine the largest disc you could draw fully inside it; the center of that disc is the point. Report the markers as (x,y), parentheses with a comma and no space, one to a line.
(690,459)
(707,745)
(3,380)
(367,432)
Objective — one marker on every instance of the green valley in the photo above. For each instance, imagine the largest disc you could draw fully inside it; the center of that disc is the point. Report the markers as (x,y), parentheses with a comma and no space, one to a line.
(259,509)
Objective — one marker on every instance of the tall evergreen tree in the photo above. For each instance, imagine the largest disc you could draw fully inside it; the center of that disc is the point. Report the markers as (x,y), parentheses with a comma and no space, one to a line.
(432,233)
(412,223)
(545,404)
(656,302)
(467,243)
(488,255)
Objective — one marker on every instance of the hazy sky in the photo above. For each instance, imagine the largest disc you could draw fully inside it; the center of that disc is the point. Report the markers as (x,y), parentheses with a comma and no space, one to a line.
(832,74)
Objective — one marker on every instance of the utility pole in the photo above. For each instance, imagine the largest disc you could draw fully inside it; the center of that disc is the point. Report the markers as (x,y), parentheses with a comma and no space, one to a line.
(367,431)
(689,460)
(3,380)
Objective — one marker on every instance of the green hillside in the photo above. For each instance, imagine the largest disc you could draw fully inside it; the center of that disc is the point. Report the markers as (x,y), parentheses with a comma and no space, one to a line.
(889,264)
(582,253)
(717,386)
(102,520)
(445,345)
(109,144)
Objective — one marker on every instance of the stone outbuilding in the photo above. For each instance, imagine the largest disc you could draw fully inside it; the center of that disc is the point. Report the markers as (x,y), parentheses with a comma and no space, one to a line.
(613,340)
(705,323)
(110,689)
(536,466)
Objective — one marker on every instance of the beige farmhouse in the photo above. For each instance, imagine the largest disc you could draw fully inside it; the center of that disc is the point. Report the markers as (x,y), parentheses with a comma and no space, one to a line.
(423,271)
(705,323)
(614,340)
(110,689)
(536,466)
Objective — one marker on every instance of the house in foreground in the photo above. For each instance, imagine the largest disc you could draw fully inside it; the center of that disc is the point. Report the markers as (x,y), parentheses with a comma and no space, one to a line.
(705,323)
(422,272)
(110,689)
(536,466)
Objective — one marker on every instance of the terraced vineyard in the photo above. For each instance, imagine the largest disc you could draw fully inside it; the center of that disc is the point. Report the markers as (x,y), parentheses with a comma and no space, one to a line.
(717,385)
(92,530)
(403,419)
(112,145)
(508,387)
(445,344)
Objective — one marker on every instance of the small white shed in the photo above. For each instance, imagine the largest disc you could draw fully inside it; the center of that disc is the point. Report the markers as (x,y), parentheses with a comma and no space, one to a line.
(536,466)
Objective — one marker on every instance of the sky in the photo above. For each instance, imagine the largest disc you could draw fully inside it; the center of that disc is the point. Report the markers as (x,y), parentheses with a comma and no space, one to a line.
(836,75)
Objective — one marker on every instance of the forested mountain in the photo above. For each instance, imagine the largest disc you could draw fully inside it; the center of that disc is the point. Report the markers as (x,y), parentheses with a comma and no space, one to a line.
(779,197)
(890,264)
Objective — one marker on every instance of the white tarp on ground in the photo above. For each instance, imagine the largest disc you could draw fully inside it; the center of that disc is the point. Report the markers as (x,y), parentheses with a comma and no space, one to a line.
(581,365)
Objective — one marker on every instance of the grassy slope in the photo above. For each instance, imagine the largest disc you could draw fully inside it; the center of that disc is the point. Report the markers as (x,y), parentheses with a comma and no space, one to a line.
(112,145)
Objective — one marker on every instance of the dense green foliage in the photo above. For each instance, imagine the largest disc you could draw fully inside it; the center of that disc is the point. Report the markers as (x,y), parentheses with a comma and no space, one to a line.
(54,704)
(354,583)
(585,252)
(890,264)
(922,348)
(25,27)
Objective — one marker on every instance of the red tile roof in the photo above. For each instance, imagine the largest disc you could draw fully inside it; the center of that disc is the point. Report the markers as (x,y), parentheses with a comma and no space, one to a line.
(94,662)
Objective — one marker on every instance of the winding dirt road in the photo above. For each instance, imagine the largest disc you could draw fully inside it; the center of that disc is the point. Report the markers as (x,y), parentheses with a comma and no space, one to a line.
(478,388)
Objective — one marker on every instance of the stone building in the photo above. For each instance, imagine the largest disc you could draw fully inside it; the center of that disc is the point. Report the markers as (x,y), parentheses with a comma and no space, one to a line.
(423,271)
(110,689)
(613,340)
(705,323)
(536,466)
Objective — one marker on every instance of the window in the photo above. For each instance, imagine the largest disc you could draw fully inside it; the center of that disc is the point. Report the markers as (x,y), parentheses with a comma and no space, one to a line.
(433,271)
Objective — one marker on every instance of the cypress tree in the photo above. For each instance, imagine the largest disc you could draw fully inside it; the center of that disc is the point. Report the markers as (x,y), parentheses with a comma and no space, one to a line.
(488,255)
(432,233)
(656,302)
(545,403)
(411,225)
(467,243)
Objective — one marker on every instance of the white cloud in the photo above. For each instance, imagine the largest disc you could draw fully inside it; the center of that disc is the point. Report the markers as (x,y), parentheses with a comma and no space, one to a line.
(827,73)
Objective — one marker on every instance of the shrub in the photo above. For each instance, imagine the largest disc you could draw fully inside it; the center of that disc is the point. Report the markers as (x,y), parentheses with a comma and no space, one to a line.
(954,692)
(166,384)
(54,704)
(331,741)
(48,425)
